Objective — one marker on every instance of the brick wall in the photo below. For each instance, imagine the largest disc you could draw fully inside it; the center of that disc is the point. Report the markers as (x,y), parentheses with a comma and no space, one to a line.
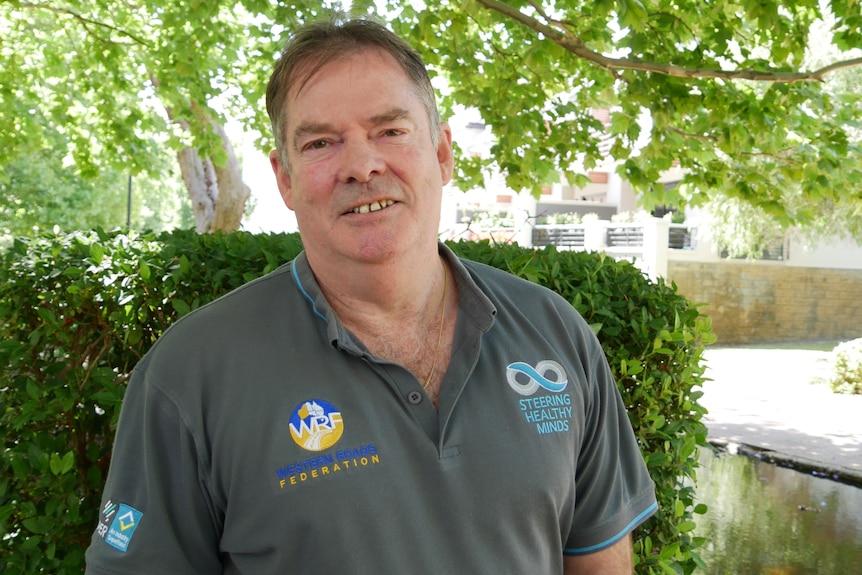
(760,302)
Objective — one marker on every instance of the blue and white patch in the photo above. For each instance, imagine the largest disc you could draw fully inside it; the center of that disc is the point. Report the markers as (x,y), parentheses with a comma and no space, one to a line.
(549,412)
(125,522)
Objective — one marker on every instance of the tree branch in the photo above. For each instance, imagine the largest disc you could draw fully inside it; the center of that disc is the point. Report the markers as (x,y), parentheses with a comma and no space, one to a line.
(702,138)
(783,155)
(571,43)
(87,23)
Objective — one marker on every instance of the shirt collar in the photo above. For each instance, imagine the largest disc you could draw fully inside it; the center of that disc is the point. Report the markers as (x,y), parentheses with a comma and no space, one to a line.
(473,304)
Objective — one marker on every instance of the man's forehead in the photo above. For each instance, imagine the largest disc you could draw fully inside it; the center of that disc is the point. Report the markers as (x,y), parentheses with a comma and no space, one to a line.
(383,104)
(308,70)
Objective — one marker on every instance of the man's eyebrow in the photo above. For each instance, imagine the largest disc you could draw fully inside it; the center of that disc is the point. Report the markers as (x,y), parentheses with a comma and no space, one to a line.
(309,128)
(393,115)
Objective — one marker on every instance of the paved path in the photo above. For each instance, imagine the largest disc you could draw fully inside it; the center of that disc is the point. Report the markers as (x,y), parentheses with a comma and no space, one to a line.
(776,402)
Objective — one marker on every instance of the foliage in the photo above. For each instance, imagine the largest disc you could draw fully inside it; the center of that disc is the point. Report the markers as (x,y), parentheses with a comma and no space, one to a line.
(631,217)
(490,220)
(77,311)
(125,84)
(741,230)
(723,87)
(109,72)
(712,89)
(846,364)
(38,192)
(560,219)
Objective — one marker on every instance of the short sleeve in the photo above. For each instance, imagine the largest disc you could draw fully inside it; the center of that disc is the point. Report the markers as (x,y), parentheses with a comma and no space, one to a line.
(155,514)
(614,493)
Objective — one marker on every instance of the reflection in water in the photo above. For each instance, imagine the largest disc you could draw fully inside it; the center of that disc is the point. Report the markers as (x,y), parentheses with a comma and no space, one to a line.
(769,520)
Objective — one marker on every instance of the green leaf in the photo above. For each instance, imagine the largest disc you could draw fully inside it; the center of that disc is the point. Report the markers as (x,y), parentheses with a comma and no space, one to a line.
(97,253)
(20,468)
(46,314)
(686,526)
(181,307)
(68,462)
(73,272)
(55,464)
(185,267)
(688,447)
(38,524)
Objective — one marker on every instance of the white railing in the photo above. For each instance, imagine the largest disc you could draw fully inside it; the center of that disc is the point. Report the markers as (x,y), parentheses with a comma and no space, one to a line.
(650,243)
(646,243)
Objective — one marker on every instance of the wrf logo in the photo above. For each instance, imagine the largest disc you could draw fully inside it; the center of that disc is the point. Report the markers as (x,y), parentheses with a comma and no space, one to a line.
(536,377)
(316,425)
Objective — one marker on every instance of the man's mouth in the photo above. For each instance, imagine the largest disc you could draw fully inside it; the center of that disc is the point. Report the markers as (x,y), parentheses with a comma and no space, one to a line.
(372,207)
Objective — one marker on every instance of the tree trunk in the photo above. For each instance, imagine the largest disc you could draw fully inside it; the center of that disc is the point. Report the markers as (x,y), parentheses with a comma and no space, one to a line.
(200,179)
(218,194)
(233,193)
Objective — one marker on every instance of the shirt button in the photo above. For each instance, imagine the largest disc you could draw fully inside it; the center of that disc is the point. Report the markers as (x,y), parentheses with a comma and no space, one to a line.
(414,397)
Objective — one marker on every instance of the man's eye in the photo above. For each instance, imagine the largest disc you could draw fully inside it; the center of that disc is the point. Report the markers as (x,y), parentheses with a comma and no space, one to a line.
(316,145)
(392,132)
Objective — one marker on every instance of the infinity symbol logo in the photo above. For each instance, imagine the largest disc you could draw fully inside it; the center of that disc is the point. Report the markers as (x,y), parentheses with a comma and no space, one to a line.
(537,377)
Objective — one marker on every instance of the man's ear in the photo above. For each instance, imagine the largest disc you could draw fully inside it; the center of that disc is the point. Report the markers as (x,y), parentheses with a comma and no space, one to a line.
(282,178)
(445,155)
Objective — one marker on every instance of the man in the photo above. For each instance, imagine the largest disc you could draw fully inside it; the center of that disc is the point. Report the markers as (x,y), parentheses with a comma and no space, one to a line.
(376,405)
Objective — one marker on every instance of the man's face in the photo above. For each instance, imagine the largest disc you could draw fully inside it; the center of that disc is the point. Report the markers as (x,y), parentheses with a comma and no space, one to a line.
(365,179)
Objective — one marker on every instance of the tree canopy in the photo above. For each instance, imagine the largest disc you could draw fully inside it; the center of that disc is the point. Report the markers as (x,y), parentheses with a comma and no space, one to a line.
(728,91)
(752,99)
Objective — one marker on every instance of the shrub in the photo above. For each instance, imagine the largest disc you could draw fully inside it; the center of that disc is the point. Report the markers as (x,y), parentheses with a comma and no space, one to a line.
(78,311)
(846,366)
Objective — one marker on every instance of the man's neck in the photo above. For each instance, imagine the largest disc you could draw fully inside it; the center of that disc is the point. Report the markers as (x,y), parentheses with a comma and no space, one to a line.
(404,314)
(372,296)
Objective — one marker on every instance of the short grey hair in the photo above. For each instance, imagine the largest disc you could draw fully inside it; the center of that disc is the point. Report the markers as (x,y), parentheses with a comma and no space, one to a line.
(319,43)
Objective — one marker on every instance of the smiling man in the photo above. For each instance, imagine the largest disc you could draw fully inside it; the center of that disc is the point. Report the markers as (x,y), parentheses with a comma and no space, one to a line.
(390,408)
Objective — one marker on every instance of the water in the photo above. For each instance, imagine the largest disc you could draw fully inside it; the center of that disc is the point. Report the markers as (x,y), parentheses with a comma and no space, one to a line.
(769,520)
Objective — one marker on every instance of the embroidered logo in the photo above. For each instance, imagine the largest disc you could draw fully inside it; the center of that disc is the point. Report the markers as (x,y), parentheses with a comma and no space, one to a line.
(536,377)
(316,425)
(551,412)
(328,465)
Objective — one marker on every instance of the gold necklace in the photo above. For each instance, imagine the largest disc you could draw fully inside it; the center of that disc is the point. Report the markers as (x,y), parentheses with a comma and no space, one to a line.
(440,332)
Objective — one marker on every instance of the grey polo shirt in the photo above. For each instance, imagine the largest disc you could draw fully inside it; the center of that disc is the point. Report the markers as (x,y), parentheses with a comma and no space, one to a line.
(259,436)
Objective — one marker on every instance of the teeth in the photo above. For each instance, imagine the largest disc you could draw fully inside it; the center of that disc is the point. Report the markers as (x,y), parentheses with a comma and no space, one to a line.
(373,207)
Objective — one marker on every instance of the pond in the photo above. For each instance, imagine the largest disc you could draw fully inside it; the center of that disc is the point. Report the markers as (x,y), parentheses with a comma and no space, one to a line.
(764,519)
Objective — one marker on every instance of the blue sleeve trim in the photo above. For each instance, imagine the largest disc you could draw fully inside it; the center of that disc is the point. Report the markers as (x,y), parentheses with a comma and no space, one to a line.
(305,293)
(622,533)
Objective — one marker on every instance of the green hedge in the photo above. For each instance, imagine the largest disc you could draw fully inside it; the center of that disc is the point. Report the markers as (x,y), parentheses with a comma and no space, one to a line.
(78,311)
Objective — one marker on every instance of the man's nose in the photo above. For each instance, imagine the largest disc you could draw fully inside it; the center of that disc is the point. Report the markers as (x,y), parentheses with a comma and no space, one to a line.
(360,161)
